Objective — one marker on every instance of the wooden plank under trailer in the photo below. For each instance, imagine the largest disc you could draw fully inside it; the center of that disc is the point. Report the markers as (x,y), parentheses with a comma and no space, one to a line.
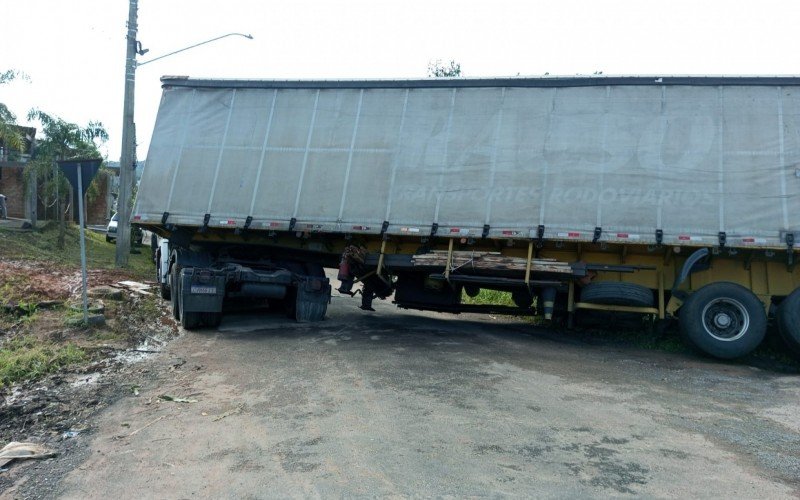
(466,267)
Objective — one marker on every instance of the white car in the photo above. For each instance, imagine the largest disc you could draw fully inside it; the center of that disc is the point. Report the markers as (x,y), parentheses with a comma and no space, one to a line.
(111,232)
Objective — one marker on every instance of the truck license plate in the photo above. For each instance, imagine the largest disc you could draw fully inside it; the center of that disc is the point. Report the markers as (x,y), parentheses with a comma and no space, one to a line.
(204,289)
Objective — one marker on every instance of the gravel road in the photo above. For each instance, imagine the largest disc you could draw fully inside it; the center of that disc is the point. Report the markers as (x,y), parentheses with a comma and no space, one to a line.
(403,403)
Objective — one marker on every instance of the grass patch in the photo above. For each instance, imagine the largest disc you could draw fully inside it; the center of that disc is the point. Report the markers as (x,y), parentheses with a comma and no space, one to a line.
(35,341)
(27,358)
(486,296)
(106,336)
(42,245)
(15,288)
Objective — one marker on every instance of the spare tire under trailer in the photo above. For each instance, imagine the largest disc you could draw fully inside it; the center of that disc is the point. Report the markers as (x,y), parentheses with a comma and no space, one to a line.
(610,297)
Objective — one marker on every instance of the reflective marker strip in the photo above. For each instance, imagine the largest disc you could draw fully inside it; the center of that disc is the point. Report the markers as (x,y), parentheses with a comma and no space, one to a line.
(571,234)
(760,241)
(227,222)
(626,236)
(686,237)
(409,229)
(361,228)
(511,233)
(137,217)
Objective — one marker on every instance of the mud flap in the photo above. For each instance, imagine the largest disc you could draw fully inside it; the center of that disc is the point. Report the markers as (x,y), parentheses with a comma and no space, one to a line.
(202,291)
(313,296)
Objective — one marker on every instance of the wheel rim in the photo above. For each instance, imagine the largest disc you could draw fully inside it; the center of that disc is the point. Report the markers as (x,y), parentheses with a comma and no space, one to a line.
(726,319)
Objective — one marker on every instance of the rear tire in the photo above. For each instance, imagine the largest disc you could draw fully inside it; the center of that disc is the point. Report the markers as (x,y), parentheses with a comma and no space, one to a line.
(788,320)
(163,289)
(175,291)
(190,320)
(723,320)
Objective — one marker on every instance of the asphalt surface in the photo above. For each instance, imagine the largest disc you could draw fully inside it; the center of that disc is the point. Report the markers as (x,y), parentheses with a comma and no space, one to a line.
(399,403)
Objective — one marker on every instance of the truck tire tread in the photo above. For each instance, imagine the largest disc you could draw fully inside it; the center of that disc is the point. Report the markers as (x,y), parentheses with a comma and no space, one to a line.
(618,294)
(788,321)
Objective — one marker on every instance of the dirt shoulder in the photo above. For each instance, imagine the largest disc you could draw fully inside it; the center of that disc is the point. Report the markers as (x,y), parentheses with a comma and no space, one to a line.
(55,372)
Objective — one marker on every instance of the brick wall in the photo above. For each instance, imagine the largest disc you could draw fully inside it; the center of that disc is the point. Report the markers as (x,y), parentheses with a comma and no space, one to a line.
(97,209)
(12,184)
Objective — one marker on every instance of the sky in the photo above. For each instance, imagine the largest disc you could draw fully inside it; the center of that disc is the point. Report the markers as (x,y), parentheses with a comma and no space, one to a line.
(73,52)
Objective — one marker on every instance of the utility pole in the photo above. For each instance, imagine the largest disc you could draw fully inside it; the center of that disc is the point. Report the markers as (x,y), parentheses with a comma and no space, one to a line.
(127,157)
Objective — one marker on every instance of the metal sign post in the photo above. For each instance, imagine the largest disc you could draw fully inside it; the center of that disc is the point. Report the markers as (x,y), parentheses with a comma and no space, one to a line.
(83,247)
(74,171)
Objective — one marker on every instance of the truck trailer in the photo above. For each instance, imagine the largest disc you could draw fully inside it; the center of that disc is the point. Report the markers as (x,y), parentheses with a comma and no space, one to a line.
(675,197)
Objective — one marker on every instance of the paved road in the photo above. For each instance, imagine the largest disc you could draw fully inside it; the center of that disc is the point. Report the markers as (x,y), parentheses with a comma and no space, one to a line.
(410,404)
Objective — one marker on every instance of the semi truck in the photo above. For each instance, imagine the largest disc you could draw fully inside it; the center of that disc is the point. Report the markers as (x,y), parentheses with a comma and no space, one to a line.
(673,197)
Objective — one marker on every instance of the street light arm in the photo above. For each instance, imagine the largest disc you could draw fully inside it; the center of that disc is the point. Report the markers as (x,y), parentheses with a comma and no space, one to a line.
(193,46)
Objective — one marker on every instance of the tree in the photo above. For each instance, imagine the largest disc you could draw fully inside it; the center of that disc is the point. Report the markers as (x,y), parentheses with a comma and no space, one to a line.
(10,136)
(61,141)
(436,69)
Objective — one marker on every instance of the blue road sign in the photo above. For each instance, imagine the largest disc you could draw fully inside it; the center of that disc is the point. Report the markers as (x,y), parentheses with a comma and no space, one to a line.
(89,169)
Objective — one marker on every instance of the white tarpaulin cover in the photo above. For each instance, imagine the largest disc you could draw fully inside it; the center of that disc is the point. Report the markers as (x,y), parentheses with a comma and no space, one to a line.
(627,155)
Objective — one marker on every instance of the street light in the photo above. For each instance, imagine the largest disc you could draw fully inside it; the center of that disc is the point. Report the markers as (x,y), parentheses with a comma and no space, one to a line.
(249,37)
(127,164)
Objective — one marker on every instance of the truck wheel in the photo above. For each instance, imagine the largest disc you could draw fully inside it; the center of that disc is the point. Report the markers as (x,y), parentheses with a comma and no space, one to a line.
(308,312)
(788,319)
(163,289)
(723,320)
(190,320)
(175,291)
(617,294)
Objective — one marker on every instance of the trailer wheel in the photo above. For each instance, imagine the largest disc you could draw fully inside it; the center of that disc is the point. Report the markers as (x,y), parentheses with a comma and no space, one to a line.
(788,319)
(723,320)
(175,290)
(615,293)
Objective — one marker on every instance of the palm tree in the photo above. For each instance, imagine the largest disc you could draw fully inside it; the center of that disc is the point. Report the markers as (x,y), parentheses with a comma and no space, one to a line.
(62,141)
